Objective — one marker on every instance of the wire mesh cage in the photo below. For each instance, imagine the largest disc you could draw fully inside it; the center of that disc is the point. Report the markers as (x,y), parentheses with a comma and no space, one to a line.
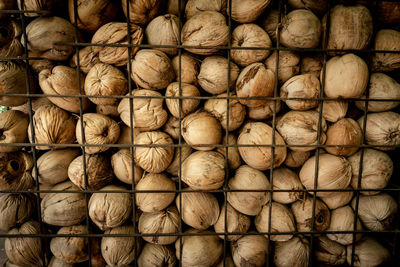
(105,219)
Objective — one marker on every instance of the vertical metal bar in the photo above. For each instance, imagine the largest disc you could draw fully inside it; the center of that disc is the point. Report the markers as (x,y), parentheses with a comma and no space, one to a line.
(30,113)
(85,176)
(132,138)
(321,106)
(180,132)
(276,94)
(227,132)
(359,178)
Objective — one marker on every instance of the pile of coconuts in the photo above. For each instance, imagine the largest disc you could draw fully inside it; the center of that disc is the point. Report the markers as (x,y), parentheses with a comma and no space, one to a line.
(176,151)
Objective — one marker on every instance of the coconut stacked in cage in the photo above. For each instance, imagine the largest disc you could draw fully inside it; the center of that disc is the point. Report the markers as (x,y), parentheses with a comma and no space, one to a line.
(199,154)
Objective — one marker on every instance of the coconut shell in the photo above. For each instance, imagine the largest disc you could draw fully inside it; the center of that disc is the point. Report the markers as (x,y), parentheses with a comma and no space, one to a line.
(303,213)
(199,210)
(42,34)
(282,220)
(36,102)
(25,251)
(162,222)
(189,68)
(164,30)
(342,133)
(141,12)
(98,170)
(152,69)
(13,129)
(105,80)
(234,159)
(15,171)
(109,210)
(294,252)
(174,168)
(55,262)
(172,127)
(37,5)
(88,57)
(342,219)
(247,178)
(259,157)
(154,159)
(93,13)
(207,28)
(334,172)
(316,6)
(236,223)
(350,28)
(381,86)
(250,250)
(200,250)
(53,165)
(288,66)
(300,29)
(295,159)
(185,105)
(12,81)
(301,86)
(194,7)
(116,33)
(249,35)
(71,249)
(62,80)
(377,169)
(156,255)
(52,125)
(255,80)
(63,209)
(245,11)
(11,46)
(345,76)
(312,64)
(98,130)
(147,113)
(213,76)
(219,108)
(120,251)
(126,134)
(153,202)
(15,209)
(201,130)
(265,111)
(204,170)
(270,24)
(301,128)
(121,163)
(383,128)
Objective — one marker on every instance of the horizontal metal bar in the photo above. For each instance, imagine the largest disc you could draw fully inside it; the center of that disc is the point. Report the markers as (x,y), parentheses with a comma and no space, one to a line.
(17,11)
(228,47)
(395,231)
(186,145)
(131,191)
(269,98)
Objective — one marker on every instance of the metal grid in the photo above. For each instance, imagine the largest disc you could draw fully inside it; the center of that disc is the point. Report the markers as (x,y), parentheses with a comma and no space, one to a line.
(390,238)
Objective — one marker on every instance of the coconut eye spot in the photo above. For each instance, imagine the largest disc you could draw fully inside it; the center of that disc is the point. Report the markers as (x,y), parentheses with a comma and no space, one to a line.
(14,165)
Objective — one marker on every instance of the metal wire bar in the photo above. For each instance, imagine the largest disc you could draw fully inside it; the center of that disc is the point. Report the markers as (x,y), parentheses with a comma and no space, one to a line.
(82,128)
(34,152)
(204,233)
(205,191)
